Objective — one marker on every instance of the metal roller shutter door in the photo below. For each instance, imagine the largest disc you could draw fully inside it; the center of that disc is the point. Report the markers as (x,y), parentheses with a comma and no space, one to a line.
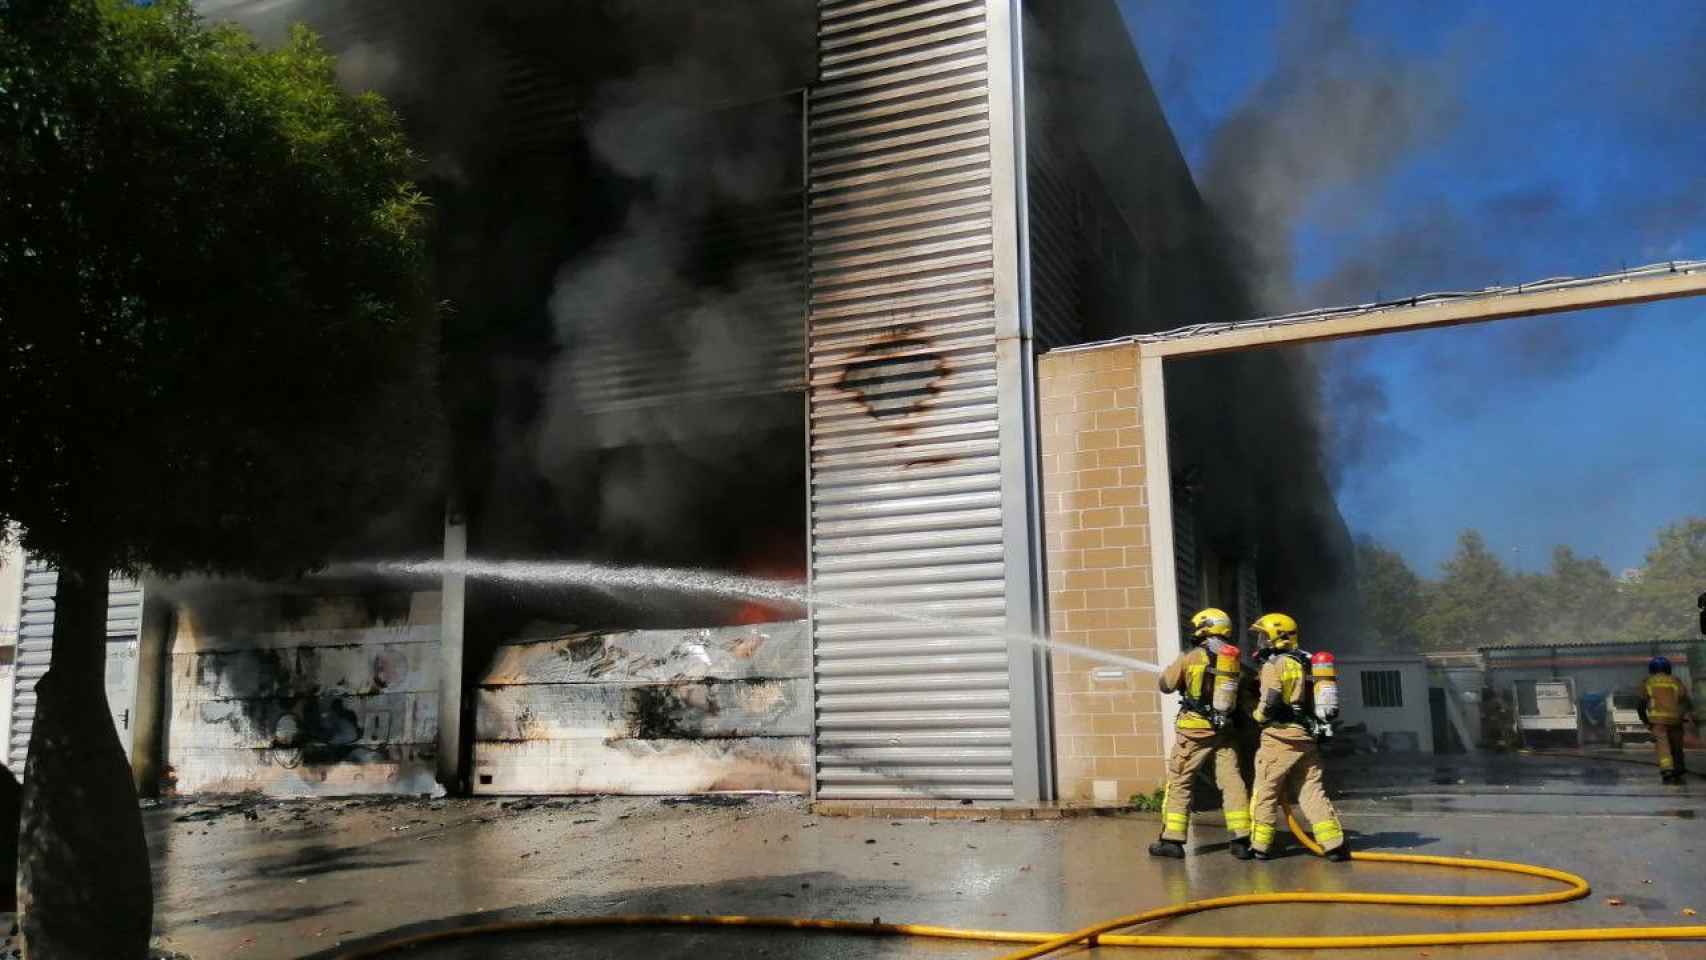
(909,551)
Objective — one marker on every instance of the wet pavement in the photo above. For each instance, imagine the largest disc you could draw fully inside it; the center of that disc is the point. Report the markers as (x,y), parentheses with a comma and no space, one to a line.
(291,879)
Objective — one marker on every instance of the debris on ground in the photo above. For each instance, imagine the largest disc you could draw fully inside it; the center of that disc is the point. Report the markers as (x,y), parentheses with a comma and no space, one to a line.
(708,800)
(217,811)
(539,803)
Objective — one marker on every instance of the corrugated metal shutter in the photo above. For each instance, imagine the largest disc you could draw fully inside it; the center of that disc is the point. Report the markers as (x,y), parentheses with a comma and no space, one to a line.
(1057,243)
(1249,596)
(1187,560)
(746,287)
(906,495)
(35,643)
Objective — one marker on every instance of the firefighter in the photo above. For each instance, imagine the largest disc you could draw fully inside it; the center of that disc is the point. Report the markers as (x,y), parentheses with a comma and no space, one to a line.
(1206,679)
(1288,762)
(1663,707)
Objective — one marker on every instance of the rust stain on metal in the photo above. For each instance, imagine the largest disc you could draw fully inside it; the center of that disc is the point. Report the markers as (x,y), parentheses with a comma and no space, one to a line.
(877,364)
(883,364)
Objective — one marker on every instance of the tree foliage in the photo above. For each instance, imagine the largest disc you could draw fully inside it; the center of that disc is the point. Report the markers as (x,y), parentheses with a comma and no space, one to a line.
(215,354)
(1477,602)
(1472,603)
(1662,599)
(215,339)
(1394,598)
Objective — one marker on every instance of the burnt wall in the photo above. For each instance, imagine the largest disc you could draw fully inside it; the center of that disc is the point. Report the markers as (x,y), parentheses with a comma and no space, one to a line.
(301,696)
(647,712)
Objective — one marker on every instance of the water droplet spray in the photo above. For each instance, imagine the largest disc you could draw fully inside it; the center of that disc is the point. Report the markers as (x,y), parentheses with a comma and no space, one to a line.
(610,577)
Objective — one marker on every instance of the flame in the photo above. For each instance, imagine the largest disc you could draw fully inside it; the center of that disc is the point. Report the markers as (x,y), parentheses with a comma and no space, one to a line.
(777,557)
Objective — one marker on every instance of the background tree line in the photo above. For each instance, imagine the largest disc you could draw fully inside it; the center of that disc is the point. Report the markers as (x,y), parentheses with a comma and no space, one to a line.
(1477,601)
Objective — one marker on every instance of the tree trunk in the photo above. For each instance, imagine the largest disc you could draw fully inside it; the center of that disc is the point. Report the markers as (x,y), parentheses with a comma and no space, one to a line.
(84,886)
(8,837)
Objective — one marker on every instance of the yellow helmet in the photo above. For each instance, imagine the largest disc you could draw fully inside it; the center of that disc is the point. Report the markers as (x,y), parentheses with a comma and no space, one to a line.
(1276,630)
(1211,622)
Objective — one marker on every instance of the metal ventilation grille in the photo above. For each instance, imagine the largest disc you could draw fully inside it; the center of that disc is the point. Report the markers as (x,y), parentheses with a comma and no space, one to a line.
(905,470)
(1056,241)
(744,290)
(35,643)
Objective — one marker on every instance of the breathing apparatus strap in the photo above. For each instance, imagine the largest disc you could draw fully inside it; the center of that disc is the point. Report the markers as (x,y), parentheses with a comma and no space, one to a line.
(1205,710)
(1286,712)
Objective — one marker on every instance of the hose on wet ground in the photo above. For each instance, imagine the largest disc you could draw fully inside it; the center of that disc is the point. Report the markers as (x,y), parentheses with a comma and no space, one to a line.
(1041,943)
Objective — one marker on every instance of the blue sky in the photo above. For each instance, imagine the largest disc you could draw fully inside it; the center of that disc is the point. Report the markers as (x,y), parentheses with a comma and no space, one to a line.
(1379,149)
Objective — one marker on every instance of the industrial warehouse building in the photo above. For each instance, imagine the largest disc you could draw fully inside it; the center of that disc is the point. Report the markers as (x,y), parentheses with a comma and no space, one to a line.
(960,195)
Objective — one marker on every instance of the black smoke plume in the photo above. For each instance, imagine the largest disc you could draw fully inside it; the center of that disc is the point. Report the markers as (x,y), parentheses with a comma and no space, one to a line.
(618,188)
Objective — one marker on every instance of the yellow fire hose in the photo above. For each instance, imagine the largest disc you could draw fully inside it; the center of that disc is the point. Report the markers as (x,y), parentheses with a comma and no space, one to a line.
(1101,934)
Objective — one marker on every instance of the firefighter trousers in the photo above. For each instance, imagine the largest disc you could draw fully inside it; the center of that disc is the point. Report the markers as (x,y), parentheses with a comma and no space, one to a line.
(1288,767)
(1667,740)
(1191,750)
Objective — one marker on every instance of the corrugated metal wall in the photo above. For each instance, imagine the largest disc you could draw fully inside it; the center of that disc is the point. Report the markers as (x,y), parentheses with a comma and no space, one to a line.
(1057,240)
(1249,597)
(718,317)
(748,290)
(35,643)
(908,388)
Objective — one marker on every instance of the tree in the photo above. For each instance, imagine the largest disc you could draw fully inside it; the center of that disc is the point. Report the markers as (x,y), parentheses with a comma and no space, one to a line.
(1662,600)
(1577,600)
(215,352)
(1394,599)
(1473,603)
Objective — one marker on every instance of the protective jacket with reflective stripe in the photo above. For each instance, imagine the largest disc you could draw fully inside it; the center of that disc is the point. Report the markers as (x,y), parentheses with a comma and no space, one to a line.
(1664,699)
(1184,676)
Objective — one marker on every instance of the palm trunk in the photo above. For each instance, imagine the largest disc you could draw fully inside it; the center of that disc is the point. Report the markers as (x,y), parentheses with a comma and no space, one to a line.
(84,886)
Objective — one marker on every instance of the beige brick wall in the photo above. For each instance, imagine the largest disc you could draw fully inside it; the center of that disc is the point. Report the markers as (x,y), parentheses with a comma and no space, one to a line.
(1101,595)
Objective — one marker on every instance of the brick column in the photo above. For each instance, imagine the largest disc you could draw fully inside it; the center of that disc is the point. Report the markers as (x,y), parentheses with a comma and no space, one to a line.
(1107,720)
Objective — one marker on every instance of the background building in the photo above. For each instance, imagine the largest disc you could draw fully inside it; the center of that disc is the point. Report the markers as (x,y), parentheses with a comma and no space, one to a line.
(11,593)
(1390,696)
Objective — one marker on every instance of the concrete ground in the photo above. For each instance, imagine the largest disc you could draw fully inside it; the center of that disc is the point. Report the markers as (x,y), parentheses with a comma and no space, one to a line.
(291,879)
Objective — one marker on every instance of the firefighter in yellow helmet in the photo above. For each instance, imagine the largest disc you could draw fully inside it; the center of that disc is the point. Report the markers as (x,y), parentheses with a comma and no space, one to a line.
(1664,705)
(1287,762)
(1206,679)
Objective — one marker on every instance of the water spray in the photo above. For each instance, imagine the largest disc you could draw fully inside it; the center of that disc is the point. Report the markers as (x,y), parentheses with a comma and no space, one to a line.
(611,577)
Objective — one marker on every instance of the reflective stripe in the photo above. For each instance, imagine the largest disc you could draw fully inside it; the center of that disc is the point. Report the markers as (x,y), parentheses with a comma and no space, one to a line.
(1664,698)
(1176,820)
(1191,692)
(1237,820)
(1666,763)
(1328,830)
(1261,835)
(1291,682)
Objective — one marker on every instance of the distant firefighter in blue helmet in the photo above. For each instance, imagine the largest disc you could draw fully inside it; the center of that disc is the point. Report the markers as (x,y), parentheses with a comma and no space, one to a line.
(1664,707)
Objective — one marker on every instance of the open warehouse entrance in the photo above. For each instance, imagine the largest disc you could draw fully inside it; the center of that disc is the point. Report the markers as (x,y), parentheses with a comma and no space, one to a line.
(1126,550)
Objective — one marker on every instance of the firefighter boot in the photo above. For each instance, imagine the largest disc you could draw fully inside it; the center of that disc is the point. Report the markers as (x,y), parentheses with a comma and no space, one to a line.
(1339,854)
(1171,849)
(1241,848)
